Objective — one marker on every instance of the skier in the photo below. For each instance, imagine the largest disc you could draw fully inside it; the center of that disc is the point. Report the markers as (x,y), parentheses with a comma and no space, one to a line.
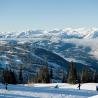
(79,84)
(6,85)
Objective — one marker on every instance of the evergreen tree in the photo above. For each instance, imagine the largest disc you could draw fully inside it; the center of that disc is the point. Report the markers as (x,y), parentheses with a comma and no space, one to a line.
(9,77)
(95,77)
(51,74)
(39,75)
(43,75)
(72,75)
(14,80)
(20,75)
(46,75)
(6,76)
(63,77)
(85,75)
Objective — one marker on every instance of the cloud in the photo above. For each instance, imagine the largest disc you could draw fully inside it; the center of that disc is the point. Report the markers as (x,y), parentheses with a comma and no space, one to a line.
(92,43)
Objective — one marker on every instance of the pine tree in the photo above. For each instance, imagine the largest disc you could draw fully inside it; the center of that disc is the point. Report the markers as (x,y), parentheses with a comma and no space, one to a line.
(63,77)
(85,75)
(95,76)
(51,74)
(14,81)
(43,75)
(46,75)
(9,77)
(6,76)
(72,75)
(39,76)
(20,75)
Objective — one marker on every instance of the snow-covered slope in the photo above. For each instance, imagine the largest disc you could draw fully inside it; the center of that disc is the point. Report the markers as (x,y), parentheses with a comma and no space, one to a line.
(32,57)
(78,45)
(48,91)
(92,35)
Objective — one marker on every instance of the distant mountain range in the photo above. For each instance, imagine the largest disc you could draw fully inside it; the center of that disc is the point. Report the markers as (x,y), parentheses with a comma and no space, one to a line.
(65,33)
(58,47)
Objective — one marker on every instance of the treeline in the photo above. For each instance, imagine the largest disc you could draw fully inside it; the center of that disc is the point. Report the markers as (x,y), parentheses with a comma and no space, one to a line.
(83,75)
(46,75)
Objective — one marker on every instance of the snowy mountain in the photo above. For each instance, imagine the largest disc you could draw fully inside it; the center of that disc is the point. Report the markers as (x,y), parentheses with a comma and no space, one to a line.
(92,35)
(59,47)
(64,33)
(63,42)
(32,58)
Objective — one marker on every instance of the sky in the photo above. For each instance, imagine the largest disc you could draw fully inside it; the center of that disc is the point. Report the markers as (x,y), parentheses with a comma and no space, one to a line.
(20,15)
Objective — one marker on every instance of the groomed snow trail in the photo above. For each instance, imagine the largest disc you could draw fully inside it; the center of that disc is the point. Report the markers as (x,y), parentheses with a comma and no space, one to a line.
(45,91)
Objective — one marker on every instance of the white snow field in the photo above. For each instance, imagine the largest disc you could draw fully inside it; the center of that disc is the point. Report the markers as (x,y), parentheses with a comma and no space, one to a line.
(88,90)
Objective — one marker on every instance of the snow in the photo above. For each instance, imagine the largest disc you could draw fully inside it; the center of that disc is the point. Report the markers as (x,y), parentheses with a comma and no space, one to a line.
(79,36)
(96,96)
(88,90)
(67,32)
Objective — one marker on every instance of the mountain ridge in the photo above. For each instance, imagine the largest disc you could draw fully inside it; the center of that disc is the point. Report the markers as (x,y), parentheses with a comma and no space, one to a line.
(79,33)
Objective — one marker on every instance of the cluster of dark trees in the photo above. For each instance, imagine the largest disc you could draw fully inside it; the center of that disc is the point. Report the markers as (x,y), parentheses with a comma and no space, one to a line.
(9,77)
(84,76)
(45,75)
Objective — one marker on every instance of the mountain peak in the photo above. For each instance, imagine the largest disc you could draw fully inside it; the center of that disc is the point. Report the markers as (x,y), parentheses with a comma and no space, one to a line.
(65,33)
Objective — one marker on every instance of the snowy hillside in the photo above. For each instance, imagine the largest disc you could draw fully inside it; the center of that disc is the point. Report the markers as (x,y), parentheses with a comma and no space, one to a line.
(81,37)
(49,91)
(32,58)
(32,49)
